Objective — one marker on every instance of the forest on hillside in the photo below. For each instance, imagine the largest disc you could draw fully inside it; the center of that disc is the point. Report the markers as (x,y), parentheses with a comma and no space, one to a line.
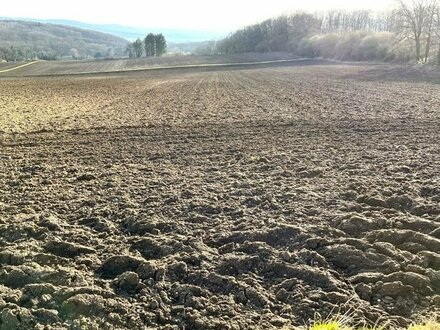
(23,40)
(411,32)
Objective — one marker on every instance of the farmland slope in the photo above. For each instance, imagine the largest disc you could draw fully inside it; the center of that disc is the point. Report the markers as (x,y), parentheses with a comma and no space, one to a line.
(120,65)
(235,199)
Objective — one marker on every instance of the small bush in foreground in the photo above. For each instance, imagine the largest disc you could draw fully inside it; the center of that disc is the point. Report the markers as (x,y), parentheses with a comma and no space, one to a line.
(426,326)
(336,325)
(329,326)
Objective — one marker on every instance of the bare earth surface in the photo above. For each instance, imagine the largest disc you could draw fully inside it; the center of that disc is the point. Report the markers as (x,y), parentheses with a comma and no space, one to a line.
(219,199)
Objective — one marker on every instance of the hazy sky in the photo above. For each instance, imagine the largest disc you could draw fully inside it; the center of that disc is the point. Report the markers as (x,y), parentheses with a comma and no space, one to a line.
(222,15)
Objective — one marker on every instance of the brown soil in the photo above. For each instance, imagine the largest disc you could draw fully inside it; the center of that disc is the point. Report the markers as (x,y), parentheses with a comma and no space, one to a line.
(229,199)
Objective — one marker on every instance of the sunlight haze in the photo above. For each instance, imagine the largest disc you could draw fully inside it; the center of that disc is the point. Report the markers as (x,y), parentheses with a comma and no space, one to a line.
(224,15)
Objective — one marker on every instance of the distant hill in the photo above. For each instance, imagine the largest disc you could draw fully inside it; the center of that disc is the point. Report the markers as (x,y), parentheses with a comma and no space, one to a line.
(131,33)
(21,40)
(173,36)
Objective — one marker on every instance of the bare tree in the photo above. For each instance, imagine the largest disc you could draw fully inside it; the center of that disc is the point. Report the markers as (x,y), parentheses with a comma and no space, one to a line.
(415,22)
(430,26)
(130,50)
(437,32)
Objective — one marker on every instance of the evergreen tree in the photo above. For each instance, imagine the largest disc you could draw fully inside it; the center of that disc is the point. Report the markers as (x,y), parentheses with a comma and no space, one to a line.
(150,45)
(161,44)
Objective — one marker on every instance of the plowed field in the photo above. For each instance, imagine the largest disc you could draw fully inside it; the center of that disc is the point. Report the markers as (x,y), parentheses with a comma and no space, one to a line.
(251,198)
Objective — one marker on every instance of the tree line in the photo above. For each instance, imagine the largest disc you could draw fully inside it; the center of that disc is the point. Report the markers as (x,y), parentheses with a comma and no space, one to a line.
(14,54)
(410,32)
(151,45)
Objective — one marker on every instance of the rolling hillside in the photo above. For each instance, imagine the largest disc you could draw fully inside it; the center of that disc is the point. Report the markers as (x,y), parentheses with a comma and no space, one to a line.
(21,40)
(178,40)
(173,36)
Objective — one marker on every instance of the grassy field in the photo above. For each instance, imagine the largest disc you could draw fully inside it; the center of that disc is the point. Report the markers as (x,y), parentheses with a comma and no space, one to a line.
(233,198)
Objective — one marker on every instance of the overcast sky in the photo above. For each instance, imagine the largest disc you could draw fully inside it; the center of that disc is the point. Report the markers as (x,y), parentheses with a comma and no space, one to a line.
(221,15)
